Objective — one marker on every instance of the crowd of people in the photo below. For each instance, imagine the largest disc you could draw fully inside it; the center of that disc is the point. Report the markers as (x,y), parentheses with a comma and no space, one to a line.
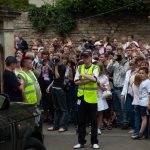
(100,82)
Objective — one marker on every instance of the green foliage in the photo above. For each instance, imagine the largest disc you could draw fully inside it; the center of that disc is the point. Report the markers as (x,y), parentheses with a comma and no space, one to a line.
(63,21)
(40,17)
(64,14)
(15,4)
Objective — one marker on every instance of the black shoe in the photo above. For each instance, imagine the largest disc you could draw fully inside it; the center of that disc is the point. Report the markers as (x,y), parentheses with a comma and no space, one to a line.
(46,120)
(116,125)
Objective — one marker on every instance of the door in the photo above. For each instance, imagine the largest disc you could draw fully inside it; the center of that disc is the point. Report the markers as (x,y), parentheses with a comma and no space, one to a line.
(1,67)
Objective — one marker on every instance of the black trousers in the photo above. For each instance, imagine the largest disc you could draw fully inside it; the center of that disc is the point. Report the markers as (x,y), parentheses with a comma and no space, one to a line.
(87,110)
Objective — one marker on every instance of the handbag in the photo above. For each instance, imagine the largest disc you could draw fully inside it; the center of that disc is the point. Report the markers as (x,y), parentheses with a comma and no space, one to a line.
(106,94)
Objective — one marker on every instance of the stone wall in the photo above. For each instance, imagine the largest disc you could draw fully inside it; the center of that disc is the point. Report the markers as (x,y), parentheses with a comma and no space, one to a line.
(22,24)
(114,27)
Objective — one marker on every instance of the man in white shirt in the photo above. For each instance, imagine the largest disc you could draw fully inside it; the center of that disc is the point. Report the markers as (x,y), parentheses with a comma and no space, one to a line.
(131,42)
(119,68)
(126,98)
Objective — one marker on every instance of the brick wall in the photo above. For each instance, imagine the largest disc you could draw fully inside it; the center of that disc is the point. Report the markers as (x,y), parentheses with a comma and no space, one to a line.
(115,27)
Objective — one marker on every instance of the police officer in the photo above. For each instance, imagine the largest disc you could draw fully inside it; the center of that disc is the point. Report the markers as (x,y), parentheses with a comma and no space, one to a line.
(86,79)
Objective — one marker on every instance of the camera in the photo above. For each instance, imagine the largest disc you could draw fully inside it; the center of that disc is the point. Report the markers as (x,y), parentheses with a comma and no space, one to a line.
(118,58)
(55,61)
(110,53)
(72,63)
(89,45)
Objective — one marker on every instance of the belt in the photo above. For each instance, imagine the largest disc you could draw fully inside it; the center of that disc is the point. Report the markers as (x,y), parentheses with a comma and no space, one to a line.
(58,88)
(118,88)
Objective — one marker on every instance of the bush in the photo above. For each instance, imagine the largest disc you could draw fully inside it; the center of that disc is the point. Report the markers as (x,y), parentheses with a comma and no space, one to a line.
(64,14)
(15,4)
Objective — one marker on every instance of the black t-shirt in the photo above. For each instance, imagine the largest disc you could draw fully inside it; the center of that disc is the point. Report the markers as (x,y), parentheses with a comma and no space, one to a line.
(11,84)
(60,81)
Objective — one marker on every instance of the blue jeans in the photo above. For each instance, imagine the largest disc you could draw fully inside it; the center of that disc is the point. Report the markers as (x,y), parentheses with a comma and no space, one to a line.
(149,124)
(60,107)
(70,99)
(117,105)
(129,111)
(123,108)
(137,119)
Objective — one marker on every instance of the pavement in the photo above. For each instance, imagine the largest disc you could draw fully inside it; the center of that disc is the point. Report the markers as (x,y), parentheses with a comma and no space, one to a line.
(116,139)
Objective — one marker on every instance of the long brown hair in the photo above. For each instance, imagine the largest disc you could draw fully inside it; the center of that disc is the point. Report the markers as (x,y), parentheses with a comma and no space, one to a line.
(101,67)
(137,79)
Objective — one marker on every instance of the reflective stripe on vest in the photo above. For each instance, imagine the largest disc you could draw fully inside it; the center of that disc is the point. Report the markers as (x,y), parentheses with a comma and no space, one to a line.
(29,90)
(88,90)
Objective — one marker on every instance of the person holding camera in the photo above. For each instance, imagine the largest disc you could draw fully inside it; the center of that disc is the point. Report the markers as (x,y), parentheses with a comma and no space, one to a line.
(45,78)
(119,67)
(58,96)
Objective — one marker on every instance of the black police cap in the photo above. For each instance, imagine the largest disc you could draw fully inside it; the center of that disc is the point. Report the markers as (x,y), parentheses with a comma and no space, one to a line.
(10,60)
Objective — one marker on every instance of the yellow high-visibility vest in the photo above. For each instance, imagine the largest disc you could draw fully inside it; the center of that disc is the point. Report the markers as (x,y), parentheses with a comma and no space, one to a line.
(29,90)
(88,90)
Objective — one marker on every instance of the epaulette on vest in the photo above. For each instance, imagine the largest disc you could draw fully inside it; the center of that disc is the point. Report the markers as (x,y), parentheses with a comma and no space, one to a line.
(94,67)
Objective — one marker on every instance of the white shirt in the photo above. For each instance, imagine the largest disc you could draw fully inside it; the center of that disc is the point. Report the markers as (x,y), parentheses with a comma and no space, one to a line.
(119,73)
(129,79)
(105,44)
(95,73)
(144,91)
(135,94)
(124,46)
(128,44)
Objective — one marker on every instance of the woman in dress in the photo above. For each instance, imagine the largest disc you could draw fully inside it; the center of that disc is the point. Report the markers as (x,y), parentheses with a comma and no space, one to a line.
(103,85)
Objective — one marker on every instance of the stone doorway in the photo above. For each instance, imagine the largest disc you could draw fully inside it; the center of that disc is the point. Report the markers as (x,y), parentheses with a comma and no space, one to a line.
(1,67)
(6,37)
(2,57)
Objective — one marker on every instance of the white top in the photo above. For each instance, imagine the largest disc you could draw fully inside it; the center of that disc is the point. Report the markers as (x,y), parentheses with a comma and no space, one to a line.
(129,79)
(144,91)
(124,46)
(135,94)
(102,103)
(103,79)
(95,73)
(128,44)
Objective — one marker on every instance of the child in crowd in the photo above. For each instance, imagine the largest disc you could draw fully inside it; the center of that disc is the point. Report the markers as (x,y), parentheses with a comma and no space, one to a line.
(144,101)
(135,94)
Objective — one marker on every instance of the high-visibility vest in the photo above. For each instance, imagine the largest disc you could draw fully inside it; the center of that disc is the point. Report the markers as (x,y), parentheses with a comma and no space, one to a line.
(88,90)
(29,89)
